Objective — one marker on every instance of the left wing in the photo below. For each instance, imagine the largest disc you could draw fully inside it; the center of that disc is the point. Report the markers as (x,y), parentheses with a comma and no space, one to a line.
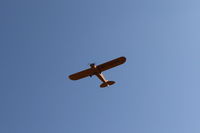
(111,64)
(81,74)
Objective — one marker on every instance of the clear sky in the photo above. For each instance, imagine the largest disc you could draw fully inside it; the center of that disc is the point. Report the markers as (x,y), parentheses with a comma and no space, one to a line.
(156,91)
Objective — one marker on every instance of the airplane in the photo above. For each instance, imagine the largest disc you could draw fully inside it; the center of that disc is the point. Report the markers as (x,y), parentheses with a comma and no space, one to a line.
(97,70)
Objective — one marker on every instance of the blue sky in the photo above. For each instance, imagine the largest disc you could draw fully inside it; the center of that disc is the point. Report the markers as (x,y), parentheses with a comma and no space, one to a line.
(156,90)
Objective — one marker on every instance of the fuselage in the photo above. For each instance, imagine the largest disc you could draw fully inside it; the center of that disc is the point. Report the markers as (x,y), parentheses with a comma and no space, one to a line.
(98,73)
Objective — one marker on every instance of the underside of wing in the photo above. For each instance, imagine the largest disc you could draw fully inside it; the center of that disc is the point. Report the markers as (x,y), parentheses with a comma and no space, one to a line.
(111,64)
(81,74)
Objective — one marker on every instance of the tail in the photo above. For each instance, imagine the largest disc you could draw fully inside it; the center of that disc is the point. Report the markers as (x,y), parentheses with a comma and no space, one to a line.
(107,83)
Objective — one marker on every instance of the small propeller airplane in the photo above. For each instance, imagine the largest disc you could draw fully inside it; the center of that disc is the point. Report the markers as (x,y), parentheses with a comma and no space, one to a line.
(97,70)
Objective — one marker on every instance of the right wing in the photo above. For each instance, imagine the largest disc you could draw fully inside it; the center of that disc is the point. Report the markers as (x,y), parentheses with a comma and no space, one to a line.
(111,64)
(81,74)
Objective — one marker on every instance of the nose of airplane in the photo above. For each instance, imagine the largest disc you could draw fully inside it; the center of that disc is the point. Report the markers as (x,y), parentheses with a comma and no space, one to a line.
(92,65)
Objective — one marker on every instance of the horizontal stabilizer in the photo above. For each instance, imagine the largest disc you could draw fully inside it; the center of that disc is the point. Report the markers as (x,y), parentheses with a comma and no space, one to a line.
(108,83)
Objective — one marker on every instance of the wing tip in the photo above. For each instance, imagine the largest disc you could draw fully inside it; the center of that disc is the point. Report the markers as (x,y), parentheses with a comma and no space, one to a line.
(71,77)
(123,59)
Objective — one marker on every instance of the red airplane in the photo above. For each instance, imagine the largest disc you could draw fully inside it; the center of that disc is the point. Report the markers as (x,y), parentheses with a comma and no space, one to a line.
(97,70)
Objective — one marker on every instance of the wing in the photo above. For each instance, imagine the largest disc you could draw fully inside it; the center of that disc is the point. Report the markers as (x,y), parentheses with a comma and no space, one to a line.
(81,74)
(111,64)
